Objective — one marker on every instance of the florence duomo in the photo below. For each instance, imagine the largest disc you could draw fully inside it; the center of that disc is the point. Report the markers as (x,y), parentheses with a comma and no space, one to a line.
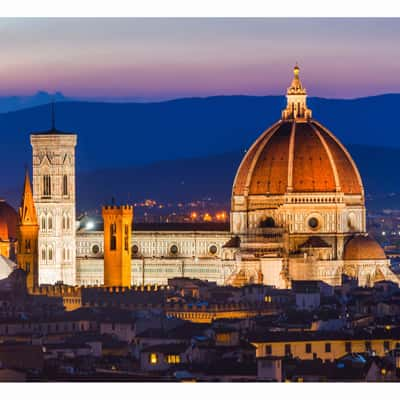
(199,200)
(297,213)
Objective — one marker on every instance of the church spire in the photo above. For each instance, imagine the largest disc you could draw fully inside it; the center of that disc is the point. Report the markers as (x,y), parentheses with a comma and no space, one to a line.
(27,237)
(296,96)
(27,211)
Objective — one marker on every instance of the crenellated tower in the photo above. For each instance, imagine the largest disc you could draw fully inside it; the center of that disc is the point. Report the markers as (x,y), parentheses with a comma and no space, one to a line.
(117,245)
(27,234)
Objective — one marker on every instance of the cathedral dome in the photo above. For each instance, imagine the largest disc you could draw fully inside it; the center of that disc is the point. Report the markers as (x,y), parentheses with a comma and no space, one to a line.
(363,248)
(298,155)
(8,221)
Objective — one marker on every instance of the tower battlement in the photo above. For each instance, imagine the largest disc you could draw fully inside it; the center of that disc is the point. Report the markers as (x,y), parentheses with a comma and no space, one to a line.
(113,208)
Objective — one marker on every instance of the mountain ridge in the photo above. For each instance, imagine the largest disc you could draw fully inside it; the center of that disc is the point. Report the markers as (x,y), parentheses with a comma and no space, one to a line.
(136,135)
(191,179)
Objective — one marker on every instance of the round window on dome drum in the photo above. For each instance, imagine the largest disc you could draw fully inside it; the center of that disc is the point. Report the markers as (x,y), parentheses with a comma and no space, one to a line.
(268,222)
(313,223)
(174,249)
(213,249)
(95,249)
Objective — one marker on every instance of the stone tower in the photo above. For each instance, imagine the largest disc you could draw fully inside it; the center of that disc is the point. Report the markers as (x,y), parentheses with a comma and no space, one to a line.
(27,233)
(117,247)
(54,196)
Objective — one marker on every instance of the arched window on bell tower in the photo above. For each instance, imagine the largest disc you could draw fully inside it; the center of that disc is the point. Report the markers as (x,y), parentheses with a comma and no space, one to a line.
(113,236)
(43,254)
(46,185)
(50,222)
(65,185)
(43,223)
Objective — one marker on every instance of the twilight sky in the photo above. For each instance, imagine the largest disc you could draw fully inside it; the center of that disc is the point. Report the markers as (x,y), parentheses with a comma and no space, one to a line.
(169,58)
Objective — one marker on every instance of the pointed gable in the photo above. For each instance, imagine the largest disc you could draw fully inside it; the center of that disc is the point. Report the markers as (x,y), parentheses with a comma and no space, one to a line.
(27,211)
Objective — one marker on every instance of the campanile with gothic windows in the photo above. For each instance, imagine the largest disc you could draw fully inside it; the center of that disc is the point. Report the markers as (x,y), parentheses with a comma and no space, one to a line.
(54,197)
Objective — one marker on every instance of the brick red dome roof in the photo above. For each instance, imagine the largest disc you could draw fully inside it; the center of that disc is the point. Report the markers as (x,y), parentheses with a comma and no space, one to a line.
(363,248)
(297,156)
(8,221)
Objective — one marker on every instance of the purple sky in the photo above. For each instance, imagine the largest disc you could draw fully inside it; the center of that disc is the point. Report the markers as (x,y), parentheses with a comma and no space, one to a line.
(168,58)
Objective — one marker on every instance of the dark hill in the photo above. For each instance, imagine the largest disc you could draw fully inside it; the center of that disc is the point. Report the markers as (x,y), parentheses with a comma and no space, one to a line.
(212,177)
(130,135)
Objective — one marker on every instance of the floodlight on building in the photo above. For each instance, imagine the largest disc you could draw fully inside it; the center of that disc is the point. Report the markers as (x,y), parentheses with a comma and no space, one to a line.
(89,225)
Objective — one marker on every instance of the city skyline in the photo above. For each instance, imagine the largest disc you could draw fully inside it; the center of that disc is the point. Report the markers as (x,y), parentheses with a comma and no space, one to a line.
(241,232)
(156,59)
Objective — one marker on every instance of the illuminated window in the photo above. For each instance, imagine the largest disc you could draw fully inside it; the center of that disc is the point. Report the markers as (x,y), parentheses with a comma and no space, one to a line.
(223,337)
(153,358)
(173,359)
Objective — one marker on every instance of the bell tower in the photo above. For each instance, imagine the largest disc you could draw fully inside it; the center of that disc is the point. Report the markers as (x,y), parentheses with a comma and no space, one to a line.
(117,245)
(27,233)
(54,196)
